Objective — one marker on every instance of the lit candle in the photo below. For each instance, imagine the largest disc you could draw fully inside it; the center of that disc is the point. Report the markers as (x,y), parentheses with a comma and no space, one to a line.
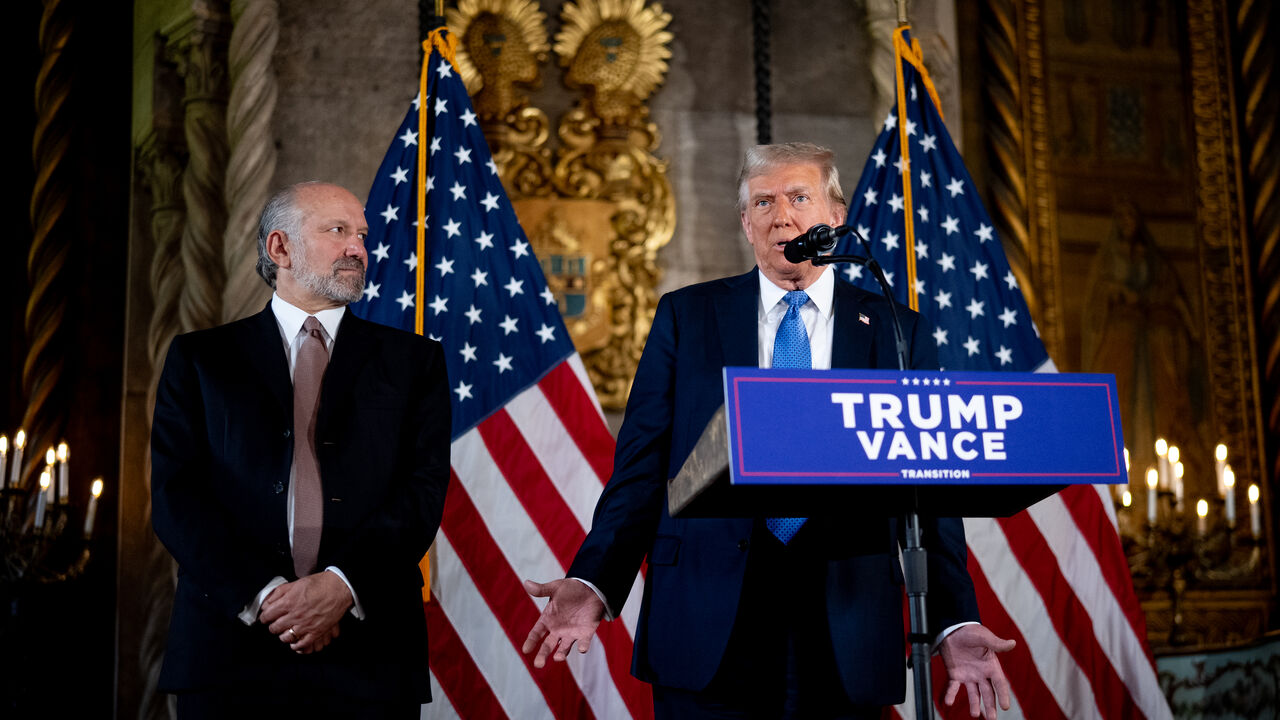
(1153,479)
(1220,464)
(4,455)
(1202,515)
(1162,462)
(42,498)
(15,472)
(64,491)
(1178,470)
(92,513)
(50,459)
(1255,512)
(1229,485)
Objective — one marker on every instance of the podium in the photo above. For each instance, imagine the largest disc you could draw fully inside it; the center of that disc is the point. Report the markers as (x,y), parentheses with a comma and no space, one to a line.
(989,445)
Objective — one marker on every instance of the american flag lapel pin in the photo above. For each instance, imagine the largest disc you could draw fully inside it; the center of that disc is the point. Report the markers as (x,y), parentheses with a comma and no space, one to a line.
(862,318)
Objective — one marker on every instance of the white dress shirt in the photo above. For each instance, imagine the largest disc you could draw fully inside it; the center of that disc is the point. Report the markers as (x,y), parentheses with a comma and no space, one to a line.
(290,318)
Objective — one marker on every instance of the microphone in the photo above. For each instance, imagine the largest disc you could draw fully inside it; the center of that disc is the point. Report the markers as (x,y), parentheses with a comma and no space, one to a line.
(819,239)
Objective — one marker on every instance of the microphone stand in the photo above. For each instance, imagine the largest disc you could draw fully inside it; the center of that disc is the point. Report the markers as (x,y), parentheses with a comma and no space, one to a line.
(914,557)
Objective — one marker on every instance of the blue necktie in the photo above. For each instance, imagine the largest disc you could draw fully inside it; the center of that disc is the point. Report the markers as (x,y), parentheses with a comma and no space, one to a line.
(790,350)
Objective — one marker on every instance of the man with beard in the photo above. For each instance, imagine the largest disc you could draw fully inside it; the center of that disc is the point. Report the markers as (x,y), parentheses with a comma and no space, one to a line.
(298,472)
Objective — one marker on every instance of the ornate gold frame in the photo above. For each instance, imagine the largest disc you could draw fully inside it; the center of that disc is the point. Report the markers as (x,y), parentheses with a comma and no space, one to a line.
(599,207)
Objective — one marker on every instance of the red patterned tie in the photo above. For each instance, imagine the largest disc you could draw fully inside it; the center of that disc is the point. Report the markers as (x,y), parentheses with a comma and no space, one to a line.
(308,496)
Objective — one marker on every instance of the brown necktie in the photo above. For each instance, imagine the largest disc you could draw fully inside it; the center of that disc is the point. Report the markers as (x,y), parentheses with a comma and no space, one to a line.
(308,496)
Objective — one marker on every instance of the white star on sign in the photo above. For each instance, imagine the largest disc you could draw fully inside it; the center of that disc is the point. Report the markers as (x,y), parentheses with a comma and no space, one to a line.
(435,145)
(898,165)
(983,232)
(431,183)
(919,286)
(508,324)
(888,277)
(972,346)
(547,333)
(503,362)
(890,121)
(493,166)
(463,155)
(412,262)
(445,266)
(463,390)
(515,287)
(923,212)
(444,70)
(480,277)
(890,241)
(939,339)
(490,202)
(929,142)
(409,138)
(951,225)
(911,128)
(459,191)
(442,106)
(956,186)
(869,197)
(400,175)
(1005,354)
(853,272)
(1010,280)
(380,252)
(879,157)
(895,202)
(417,101)
(926,180)
(468,118)
(1009,317)
(473,314)
(943,298)
(485,241)
(371,292)
(405,300)
(468,352)
(979,270)
(391,213)
(439,304)
(520,248)
(975,308)
(548,296)
(922,251)
(453,228)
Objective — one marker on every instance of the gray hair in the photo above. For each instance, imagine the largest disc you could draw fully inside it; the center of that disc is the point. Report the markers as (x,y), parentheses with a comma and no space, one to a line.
(280,213)
(760,159)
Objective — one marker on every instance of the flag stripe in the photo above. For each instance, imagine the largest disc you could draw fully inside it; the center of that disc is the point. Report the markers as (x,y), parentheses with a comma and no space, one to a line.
(616,642)
(484,638)
(525,475)
(455,670)
(577,410)
(505,596)
(1085,505)
(1070,619)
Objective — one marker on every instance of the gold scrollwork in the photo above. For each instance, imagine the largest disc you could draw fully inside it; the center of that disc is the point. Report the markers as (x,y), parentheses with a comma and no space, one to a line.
(598,210)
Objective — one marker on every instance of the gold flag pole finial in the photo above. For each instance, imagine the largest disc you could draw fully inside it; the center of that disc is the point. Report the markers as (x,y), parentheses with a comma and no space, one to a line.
(902,12)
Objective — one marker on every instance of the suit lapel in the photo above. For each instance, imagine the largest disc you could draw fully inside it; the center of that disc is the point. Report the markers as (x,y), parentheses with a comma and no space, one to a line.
(853,343)
(737,322)
(351,350)
(266,356)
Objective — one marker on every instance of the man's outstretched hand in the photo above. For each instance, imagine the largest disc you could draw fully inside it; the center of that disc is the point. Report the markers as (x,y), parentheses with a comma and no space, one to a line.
(970,656)
(571,616)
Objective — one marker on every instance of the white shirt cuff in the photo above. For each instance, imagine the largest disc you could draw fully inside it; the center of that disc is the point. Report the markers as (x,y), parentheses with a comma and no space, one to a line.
(608,611)
(356,609)
(943,635)
(249,615)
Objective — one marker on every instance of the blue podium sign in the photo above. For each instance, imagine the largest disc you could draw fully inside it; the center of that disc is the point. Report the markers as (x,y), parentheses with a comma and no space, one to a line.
(805,427)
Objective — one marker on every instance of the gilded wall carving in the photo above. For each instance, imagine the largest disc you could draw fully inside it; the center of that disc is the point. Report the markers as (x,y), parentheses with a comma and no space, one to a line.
(598,207)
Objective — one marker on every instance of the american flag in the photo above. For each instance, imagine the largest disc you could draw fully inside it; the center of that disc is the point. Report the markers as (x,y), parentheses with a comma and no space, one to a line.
(1054,577)
(530,450)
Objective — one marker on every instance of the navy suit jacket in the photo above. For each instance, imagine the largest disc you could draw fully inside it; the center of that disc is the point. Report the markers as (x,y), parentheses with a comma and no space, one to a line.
(696,566)
(221,451)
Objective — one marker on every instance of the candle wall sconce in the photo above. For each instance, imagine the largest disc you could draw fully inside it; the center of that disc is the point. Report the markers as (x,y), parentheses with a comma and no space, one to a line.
(43,537)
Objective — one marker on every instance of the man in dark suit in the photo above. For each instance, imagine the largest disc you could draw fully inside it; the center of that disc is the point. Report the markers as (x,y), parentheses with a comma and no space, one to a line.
(747,618)
(299,460)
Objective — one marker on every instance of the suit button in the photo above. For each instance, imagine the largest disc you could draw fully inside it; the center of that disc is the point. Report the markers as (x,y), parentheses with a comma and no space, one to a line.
(744,544)
(287,433)
(278,487)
